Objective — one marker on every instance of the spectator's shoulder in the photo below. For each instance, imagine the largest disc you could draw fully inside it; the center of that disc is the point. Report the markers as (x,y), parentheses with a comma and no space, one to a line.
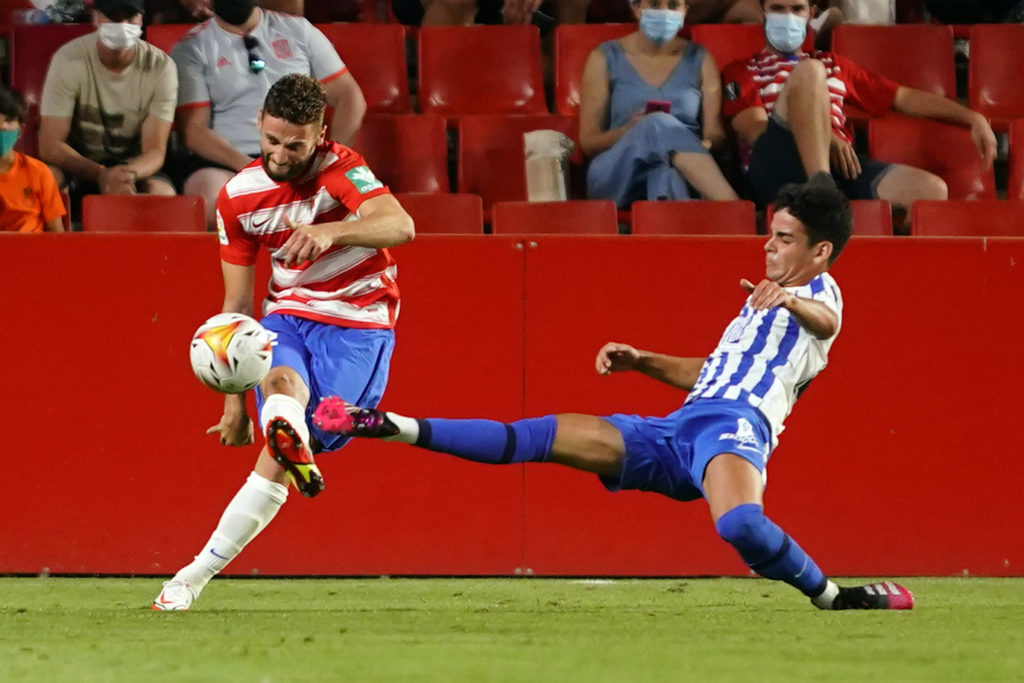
(190,41)
(286,22)
(76,48)
(152,58)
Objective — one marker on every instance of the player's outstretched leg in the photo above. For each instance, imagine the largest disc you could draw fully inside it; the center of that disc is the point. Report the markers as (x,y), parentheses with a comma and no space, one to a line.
(284,423)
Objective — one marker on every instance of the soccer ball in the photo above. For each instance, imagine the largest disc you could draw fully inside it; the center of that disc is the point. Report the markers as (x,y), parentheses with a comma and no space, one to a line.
(231,352)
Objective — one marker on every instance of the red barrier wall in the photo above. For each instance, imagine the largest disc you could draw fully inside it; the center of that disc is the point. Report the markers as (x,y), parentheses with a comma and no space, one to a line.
(901,458)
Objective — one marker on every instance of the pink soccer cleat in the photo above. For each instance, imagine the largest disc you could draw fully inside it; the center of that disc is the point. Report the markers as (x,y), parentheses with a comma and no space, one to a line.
(341,417)
(882,595)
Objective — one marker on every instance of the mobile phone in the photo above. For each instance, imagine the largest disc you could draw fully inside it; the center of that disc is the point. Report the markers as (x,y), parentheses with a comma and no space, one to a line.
(658,105)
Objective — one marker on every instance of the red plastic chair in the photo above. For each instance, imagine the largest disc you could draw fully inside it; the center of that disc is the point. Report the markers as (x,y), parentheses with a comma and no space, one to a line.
(408,152)
(448,214)
(915,55)
(574,217)
(1015,186)
(944,149)
(480,70)
(729,42)
(375,54)
(31,48)
(142,213)
(995,72)
(166,36)
(979,218)
(573,44)
(491,162)
(694,218)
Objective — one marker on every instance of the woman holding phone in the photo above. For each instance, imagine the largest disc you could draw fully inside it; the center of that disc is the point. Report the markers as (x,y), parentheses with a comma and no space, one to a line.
(650,113)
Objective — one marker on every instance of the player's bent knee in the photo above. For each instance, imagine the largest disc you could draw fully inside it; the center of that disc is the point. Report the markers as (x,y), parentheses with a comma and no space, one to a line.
(284,380)
(934,187)
(808,72)
(743,527)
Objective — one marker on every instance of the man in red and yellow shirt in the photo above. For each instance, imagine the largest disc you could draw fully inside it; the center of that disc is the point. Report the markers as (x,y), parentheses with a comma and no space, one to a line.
(29,200)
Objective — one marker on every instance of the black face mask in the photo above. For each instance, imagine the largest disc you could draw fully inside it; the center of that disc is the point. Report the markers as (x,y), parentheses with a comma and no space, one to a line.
(234,12)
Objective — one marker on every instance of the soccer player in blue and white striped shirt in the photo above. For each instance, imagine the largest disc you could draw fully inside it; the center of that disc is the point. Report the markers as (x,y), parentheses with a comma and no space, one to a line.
(716,446)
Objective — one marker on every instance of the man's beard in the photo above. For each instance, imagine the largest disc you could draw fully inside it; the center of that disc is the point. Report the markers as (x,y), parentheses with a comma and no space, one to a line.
(293,172)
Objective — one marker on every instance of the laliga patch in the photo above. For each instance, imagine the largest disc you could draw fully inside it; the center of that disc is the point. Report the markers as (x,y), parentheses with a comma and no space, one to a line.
(222,234)
(732,90)
(364,180)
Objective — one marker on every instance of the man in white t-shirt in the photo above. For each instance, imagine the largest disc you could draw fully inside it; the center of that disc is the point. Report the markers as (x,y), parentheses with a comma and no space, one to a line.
(226,67)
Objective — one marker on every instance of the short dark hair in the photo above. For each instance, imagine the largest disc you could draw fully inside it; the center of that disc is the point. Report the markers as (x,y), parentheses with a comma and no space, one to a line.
(297,99)
(822,208)
(12,104)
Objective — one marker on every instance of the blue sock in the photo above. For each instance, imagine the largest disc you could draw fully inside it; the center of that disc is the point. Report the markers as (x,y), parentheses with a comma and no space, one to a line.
(766,549)
(488,441)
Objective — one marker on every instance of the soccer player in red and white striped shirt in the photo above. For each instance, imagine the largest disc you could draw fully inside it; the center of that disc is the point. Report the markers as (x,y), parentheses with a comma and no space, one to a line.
(789,109)
(333,301)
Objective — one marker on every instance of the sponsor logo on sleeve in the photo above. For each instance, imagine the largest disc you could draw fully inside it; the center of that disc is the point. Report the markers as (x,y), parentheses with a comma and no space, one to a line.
(363,179)
(222,234)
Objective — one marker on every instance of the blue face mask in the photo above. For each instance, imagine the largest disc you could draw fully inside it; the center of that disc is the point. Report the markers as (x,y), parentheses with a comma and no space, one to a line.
(785,32)
(661,25)
(7,140)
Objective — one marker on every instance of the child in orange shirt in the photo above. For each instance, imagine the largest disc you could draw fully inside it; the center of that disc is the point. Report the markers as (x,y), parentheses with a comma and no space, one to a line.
(29,200)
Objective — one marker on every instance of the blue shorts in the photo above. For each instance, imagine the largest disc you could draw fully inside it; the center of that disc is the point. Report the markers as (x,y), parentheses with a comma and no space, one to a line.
(668,455)
(333,361)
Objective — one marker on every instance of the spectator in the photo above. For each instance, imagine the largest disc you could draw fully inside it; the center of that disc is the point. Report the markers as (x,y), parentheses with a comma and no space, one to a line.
(29,200)
(648,141)
(107,108)
(188,11)
(788,108)
(226,67)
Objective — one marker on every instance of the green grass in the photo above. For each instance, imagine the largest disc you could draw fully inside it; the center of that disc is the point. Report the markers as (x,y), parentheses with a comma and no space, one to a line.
(84,629)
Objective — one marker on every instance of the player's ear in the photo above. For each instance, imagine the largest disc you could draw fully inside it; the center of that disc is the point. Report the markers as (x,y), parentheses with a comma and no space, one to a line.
(823,250)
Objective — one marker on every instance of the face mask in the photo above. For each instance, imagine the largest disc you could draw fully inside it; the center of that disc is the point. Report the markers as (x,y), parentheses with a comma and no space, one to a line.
(7,140)
(119,35)
(785,32)
(234,12)
(661,25)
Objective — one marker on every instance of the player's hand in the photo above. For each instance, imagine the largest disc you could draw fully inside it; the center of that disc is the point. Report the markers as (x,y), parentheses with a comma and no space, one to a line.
(198,9)
(305,244)
(984,139)
(117,180)
(767,294)
(843,158)
(233,430)
(616,357)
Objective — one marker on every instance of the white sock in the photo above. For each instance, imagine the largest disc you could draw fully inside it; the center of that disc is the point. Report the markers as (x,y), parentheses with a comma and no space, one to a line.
(827,597)
(283,405)
(408,428)
(246,515)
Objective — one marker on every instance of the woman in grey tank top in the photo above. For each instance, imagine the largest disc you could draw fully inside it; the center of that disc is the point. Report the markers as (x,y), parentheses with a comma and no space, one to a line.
(650,111)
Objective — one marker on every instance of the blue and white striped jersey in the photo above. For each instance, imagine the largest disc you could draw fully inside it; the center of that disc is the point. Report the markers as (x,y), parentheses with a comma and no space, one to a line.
(766,357)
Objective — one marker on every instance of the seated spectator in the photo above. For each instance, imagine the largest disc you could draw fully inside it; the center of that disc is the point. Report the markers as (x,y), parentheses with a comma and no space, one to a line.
(788,109)
(107,107)
(29,200)
(189,11)
(650,113)
(226,67)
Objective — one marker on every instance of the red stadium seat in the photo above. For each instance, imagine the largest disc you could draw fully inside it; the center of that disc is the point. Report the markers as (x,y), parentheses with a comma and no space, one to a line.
(1015,186)
(574,217)
(480,70)
(871,217)
(978,218)
(694,218)
(142,213)
(573,44)
(460,214)
(166,36)
(729,42)
(915,55)
(408,152)
(375,54)
(996,72)
(31,48)
(491,161)
(944,149)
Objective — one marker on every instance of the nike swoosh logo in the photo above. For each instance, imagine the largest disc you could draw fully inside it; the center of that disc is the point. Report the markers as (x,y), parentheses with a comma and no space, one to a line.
(216,555)
(257,226)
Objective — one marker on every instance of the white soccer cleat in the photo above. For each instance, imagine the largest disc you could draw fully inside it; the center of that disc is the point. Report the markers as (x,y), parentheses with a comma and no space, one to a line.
(177,595)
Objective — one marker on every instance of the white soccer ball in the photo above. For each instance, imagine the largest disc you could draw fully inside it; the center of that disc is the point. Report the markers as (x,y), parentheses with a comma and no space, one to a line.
(231,352)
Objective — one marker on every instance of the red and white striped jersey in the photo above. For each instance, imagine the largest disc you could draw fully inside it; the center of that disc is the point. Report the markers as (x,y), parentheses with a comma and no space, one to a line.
(757,82)
(347,285)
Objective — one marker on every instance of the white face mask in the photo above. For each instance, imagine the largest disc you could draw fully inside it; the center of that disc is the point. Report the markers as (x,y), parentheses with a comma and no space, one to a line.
(119,35)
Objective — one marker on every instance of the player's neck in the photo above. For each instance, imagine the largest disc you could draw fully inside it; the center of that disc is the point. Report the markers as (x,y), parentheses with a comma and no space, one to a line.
(7,162)
(115,60)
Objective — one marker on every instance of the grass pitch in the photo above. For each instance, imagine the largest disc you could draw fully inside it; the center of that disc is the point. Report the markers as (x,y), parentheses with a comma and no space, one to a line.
(85,629)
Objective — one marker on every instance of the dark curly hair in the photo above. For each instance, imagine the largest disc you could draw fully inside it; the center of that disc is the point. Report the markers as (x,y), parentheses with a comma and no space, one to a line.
(822,208)
(12,104)
(297,99)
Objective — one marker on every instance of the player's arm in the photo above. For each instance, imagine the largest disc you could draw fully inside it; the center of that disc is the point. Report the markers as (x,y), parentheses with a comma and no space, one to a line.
(345,95)
(920,103)
(681,373)
(194,123)
(814,316)
(54,225)
(382,223)
(155,132)
(750,123)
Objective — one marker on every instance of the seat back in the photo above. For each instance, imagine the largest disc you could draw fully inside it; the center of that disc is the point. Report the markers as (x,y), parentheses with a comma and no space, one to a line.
(871,217)
(408,152)
(573,44)
(491,161)
(166,36)
(450,214)
(375,54)
(1015,184)
(978,218)
(574,217)
(915,55)
(694,218)
(995,70)
(729,42)
(944,149)
(143,213)
(480,70)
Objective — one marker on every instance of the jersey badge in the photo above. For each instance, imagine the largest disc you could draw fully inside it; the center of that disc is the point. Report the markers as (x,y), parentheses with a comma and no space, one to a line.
(282,50)
(363,179)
